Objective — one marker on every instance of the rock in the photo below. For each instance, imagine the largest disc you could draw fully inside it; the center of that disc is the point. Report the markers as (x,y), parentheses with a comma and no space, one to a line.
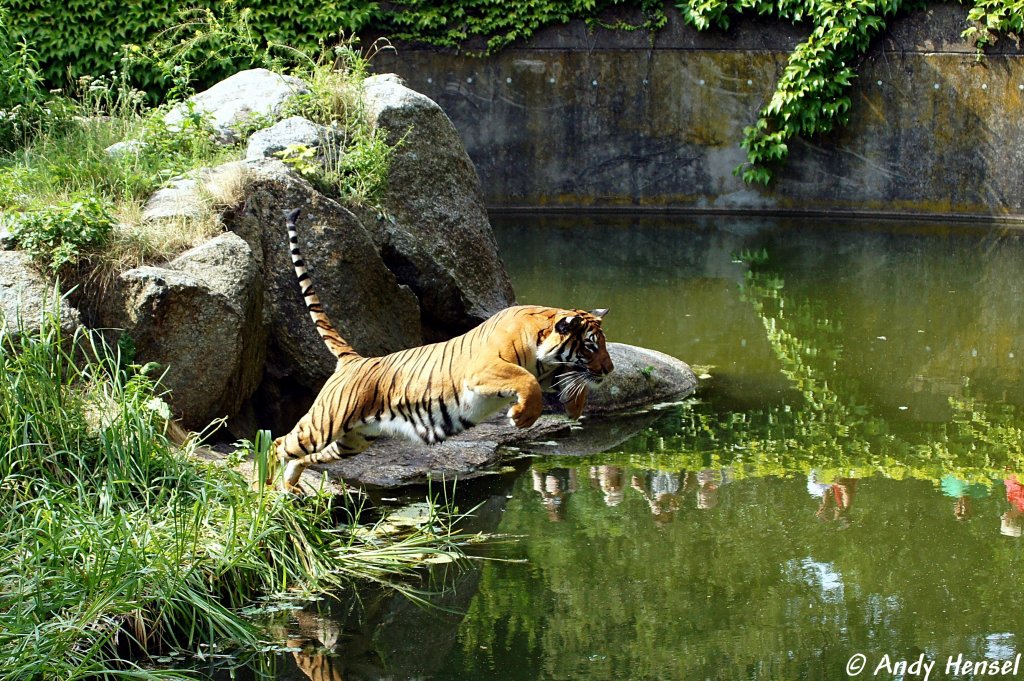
(200,317)
(398,463)
(26,296)
(641,377)
(290,132)
(371,310)
(181,200)
(194,196)
(126,148)
(256,93)
(436,237)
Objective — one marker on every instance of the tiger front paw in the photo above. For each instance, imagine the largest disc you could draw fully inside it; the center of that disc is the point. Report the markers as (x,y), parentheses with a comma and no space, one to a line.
(523,415)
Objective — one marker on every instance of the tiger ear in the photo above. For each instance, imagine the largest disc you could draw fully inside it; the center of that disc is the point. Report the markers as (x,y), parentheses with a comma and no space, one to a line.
(567,325)
(599,312)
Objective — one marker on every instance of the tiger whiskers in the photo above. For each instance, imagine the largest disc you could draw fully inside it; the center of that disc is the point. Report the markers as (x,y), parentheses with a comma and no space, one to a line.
(571,385)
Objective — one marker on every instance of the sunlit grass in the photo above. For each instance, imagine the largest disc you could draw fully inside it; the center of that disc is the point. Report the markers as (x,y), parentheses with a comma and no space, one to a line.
(114,543)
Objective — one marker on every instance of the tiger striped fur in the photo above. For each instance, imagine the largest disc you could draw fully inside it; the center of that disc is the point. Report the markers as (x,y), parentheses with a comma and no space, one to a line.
(431,392)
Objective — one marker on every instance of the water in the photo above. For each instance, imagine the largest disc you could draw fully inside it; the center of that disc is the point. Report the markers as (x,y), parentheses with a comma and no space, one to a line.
(843,485)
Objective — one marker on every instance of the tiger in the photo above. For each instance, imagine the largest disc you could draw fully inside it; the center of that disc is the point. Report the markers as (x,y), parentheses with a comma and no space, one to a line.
(431,392)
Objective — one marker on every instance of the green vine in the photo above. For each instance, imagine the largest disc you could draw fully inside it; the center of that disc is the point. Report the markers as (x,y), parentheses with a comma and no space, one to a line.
(811,96)
(992,18)
(453,23)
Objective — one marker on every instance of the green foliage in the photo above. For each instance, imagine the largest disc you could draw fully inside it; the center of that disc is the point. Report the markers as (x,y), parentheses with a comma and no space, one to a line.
(168,151)
(992,18)
(111,538)
(43,179)
(72,161)
(362,171)
(301,159)
(61,235)
(58,167)
(25,106)
(211,40)
(811,96)
(86,37)
(452,23)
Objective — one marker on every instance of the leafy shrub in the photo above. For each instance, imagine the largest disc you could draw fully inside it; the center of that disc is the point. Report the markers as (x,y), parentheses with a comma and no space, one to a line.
(59,236)
(25,106)
(78,39)
(113,539)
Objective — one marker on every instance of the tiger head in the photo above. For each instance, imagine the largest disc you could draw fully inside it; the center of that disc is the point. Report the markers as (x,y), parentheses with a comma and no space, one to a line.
(577,350)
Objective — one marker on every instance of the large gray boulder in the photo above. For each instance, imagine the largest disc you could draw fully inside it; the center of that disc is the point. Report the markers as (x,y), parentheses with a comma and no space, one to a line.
(197,194)
(200,317)
(642,377)
(26,297)
(290,132)
(365,302)
(256,94)
(434,233)
(181,199)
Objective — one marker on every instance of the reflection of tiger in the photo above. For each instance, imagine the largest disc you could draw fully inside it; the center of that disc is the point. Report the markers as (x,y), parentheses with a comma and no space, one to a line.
(431,392)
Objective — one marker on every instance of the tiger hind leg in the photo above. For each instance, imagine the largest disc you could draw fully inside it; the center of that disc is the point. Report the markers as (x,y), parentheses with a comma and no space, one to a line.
(349,444)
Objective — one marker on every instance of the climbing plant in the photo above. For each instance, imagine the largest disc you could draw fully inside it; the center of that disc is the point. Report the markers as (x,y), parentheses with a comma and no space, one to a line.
(812,95)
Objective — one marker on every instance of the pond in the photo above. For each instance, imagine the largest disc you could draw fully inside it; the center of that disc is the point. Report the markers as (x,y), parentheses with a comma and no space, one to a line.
(843,485)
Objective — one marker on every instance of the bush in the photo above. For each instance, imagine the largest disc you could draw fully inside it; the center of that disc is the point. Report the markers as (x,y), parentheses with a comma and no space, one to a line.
(113,539)
(25,106)
(60,236)
(80,39)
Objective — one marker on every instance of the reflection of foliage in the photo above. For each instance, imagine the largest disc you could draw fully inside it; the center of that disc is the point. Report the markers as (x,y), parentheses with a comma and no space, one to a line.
(609,593)
(757,586)
(825,430)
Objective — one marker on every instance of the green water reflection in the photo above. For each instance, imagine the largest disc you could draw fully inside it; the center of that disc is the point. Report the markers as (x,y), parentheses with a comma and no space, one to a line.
(846,482)
(845,485)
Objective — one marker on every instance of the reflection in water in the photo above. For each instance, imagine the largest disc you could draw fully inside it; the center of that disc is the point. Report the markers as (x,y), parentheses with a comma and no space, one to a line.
(660,489)
(554,487)
(609,481)
(962,491)
(877,371)
(1013,518)
(835,496)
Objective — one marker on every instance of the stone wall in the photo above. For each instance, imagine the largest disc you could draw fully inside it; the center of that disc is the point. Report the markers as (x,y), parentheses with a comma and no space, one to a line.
(611,119)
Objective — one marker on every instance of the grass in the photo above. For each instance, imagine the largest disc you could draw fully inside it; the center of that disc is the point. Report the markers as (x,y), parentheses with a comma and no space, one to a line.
(60,160)
(116,545)
(68,163)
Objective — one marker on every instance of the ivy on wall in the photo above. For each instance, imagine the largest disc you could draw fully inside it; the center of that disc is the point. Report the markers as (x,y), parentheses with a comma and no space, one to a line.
(811,95)
(77,38)
(80,37)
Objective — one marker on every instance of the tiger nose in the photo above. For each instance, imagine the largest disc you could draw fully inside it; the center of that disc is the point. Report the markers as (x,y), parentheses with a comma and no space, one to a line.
(606,365)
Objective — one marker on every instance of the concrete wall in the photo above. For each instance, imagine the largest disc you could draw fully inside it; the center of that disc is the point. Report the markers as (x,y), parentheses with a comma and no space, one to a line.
(620,120)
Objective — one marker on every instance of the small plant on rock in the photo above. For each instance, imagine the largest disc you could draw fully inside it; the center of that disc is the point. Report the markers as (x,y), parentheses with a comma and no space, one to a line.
(60,236)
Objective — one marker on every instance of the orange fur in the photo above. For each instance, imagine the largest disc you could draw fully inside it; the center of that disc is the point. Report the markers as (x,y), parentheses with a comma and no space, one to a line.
(434,391)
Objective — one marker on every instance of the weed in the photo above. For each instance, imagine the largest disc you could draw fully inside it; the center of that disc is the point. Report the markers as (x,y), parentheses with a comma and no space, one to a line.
(60,236)
(113,539)
(302,159)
